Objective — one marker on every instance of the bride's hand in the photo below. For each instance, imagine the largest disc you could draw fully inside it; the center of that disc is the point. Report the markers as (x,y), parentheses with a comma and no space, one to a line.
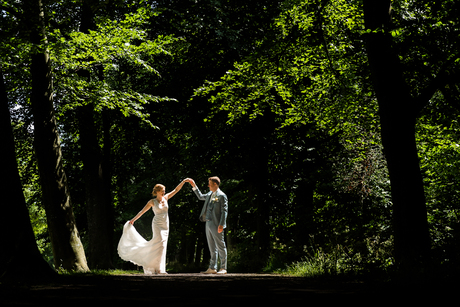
(131,222)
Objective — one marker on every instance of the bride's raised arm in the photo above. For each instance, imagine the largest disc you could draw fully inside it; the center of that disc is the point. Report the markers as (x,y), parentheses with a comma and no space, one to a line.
(177,189)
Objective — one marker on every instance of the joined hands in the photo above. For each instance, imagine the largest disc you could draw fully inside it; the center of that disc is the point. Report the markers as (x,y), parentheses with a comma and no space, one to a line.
(191,181)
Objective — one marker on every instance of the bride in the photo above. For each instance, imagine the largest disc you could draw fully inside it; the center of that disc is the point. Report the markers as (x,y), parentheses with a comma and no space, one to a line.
(149,254)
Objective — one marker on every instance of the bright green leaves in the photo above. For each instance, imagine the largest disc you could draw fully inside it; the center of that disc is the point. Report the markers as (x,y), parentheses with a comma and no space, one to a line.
(110,42)
(438,144)
(102,53)
(313,71)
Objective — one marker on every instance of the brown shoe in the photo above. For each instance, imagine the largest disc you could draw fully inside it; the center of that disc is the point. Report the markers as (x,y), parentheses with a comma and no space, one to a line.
(209,271)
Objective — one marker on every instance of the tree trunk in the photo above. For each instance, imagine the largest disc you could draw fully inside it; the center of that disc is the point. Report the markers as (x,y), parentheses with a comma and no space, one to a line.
(303,214)
(398,113)
(67,248)
(198,250)
(258,181)
(97,190)
(100,230)
(20,257)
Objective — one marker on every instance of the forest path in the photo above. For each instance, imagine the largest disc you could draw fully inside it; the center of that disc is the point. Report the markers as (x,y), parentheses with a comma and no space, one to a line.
(198,289)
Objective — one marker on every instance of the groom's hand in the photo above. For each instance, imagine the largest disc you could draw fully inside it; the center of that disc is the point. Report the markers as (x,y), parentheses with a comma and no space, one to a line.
(220,229)
(191,181)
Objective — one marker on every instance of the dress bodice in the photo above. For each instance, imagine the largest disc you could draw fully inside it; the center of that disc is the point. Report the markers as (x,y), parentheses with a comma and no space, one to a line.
(160,209)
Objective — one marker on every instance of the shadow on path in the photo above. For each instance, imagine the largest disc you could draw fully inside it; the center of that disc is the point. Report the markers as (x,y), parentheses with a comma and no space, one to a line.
(197,289)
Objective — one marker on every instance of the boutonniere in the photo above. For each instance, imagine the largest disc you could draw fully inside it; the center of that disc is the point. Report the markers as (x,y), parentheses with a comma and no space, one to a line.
(215,199)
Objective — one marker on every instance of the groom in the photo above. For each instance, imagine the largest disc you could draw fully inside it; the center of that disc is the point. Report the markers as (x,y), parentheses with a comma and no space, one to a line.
(214,214)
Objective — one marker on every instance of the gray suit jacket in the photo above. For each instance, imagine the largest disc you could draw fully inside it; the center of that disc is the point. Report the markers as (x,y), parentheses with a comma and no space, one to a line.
(218,207)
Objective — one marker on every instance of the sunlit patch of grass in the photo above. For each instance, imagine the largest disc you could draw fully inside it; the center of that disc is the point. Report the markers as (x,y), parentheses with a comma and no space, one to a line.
(320,264)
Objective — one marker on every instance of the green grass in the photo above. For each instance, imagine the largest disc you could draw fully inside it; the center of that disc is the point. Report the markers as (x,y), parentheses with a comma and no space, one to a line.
(319,265)
(323,264)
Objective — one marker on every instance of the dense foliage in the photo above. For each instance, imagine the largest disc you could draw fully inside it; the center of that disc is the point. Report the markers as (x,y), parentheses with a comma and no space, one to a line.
(274,97)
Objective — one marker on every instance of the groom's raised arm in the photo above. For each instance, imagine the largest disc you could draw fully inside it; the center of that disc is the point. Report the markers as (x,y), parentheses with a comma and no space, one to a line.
(195,189)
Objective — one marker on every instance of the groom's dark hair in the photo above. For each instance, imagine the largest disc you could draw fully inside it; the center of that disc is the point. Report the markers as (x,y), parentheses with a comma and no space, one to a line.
(215,179)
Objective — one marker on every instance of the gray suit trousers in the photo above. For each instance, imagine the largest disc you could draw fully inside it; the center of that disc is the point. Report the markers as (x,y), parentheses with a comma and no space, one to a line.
(216,245)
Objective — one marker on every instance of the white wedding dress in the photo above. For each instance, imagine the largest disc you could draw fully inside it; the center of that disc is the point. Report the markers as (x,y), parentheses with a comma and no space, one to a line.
(149,254)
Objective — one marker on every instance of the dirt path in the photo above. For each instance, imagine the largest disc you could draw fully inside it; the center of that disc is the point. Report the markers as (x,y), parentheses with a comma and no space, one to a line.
(196,289)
